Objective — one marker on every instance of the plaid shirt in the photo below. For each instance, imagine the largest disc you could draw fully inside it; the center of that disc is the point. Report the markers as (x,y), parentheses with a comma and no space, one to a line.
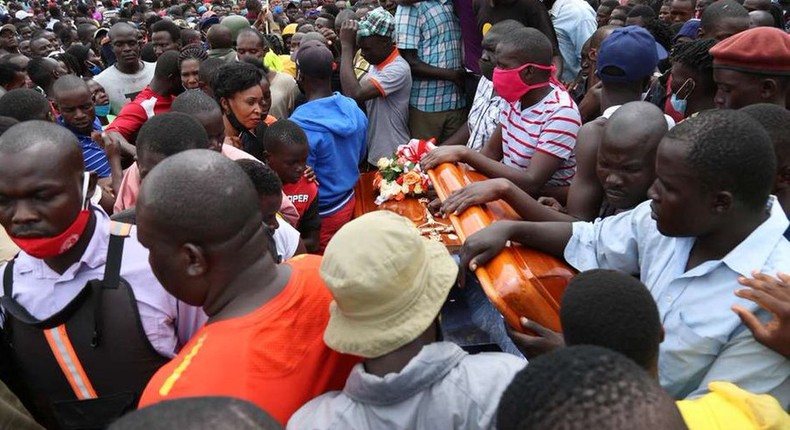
(432,29)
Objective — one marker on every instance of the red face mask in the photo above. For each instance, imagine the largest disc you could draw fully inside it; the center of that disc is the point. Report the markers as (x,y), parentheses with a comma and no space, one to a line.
(48,247)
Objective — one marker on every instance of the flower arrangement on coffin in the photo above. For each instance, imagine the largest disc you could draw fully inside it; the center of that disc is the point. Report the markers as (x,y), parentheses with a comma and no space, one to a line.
(401,175)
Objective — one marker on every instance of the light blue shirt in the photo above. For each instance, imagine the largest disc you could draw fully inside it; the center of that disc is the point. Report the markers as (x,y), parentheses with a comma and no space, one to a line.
(705,340)
(574,21)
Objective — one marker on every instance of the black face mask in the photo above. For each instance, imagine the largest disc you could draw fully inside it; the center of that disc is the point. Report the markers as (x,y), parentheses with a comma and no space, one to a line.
(236,123)
(486,69)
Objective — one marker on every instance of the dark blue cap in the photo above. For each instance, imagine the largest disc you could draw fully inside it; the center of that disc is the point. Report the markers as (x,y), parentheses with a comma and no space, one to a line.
(632,51)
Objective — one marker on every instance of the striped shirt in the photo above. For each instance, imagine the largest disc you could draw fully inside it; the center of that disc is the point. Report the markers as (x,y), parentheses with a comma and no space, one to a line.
(549,126)
(94,156)
(431,28)
(484,115)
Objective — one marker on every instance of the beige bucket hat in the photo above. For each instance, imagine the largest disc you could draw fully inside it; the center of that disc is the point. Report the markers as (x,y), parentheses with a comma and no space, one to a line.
(388,284)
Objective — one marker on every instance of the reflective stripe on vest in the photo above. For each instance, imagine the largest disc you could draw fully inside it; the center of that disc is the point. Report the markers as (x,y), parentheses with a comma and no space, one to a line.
(70,365)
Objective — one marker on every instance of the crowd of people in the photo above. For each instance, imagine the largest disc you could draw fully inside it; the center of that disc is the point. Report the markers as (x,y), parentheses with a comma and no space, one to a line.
(177,191)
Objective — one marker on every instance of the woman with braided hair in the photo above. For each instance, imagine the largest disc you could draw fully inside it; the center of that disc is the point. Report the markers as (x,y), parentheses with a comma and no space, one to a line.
(692,85)
(189,60)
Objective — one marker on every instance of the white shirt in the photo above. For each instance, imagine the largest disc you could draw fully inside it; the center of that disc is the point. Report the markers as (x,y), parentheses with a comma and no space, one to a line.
(122,88)
(286,239)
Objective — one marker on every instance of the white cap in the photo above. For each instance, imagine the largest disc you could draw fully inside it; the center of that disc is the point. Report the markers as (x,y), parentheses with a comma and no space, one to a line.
(20,15)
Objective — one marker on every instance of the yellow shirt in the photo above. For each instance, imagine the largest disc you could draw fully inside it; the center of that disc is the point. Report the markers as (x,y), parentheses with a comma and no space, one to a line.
(728,407)
(289,66)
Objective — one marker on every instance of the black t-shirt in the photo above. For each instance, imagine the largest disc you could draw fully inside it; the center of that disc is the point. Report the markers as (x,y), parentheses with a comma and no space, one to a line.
(531,13)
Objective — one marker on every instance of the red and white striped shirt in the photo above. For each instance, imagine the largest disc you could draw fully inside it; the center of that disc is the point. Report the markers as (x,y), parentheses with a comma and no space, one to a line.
(549,126)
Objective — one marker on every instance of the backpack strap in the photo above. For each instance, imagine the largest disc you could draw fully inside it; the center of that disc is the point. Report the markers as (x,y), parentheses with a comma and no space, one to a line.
(112,273)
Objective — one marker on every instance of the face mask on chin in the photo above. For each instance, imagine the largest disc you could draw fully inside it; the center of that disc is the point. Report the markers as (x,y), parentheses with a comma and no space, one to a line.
(102,110)
(50,247)
(681,104)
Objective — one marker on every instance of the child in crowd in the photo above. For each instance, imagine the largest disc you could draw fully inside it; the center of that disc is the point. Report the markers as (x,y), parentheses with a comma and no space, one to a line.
(286,151)
(269,189)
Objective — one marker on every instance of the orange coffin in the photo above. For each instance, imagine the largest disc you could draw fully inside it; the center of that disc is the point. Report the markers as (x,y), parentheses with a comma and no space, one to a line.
(519,281)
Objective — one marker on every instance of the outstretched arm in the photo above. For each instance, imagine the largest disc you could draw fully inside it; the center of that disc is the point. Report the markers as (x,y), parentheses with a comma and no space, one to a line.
(481,247)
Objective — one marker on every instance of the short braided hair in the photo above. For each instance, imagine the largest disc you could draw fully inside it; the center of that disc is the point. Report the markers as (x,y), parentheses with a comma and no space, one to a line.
(193,51)
(696,56)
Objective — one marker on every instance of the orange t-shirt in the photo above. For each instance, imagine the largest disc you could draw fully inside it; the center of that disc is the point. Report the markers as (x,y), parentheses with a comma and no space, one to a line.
(274,357)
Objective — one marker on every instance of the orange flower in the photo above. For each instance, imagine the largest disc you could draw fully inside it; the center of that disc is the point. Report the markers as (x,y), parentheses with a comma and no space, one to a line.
(412,178)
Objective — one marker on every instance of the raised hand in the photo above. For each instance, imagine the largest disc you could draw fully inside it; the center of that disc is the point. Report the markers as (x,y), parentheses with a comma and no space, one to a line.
(773,295)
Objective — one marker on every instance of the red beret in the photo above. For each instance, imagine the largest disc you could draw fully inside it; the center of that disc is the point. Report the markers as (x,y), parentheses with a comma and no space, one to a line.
(761,50)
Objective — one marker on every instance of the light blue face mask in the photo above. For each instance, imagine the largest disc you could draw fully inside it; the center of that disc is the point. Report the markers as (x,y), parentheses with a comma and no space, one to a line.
(277,9)
(102,110)
(678,104)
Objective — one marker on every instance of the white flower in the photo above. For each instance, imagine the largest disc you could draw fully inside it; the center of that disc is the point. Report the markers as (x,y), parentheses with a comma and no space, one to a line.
(383,163)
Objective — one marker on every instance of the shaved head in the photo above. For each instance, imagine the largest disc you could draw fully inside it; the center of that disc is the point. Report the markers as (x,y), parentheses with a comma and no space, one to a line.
(602,33)
(194,102)
(219,37)
(40,163)
(69,83)
(314,35)
(501,29)
(638,125)
(528,45)
(25,104)
(188,196)
(760,18)
(626,160)
(774,120)
(58,143)
(120,27)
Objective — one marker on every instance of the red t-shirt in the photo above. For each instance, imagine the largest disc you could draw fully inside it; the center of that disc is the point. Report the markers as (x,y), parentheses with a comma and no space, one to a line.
(274,357)
(135,114)
(302,194)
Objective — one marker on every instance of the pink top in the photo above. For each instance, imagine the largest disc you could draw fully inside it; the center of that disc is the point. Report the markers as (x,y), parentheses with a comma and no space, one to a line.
(130,187)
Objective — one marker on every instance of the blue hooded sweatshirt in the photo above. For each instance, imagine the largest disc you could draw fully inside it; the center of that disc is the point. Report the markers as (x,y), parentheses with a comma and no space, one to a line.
(336,132)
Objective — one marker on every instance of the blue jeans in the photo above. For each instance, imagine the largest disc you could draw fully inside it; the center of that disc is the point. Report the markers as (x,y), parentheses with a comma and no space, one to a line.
(484,315)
